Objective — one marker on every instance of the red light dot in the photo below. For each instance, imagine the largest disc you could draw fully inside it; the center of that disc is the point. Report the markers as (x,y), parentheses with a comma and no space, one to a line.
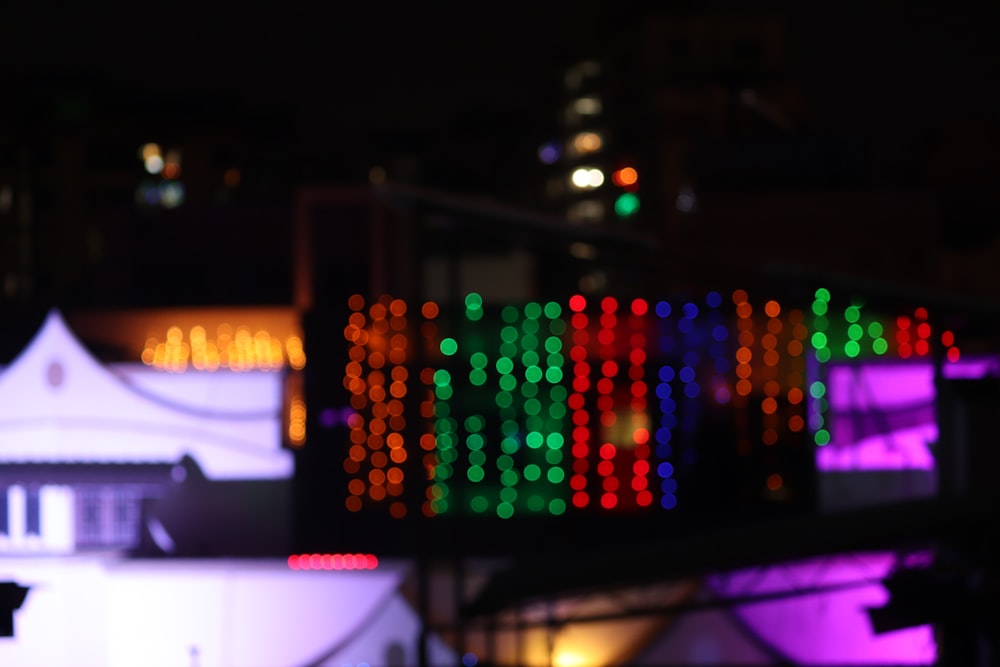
(338,561)
(293,562)
(947,339)
(644,499)
(609,304)
(920,313)
(924,330)
(921,347)
(608,418)
(372,561)
(605,468)
(903,322)
(904,350)
(639,483)
(638,389)
(605,336)
(637,356)
(581,499)
(581,434)
(640,467)
(577,303)
(579,321)
(316,562)
(609,500)
(639,307)
(580,450)
(578,482)
(953,354)
(580,417)
(610,484)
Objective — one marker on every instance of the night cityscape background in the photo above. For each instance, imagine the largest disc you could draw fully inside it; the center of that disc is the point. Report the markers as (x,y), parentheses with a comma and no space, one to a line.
(291,166)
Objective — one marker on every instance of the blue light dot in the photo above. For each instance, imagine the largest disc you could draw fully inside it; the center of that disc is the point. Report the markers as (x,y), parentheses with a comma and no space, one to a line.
(686,374)
(663,309)
(665,469)
(669,485)
(663,450)
(691,390)
(662,437)
(720,332)
(713,299)
(669,501)
(663,390)
(666,373)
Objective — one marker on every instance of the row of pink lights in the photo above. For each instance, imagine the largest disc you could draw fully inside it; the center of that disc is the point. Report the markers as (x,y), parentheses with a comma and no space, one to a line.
(332,562)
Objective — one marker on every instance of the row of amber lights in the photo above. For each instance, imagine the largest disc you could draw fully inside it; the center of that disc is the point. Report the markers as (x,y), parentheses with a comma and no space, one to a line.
(376,377)
(766,378)
(234,349)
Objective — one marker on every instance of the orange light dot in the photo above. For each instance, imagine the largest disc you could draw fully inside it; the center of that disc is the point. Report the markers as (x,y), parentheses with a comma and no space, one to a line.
(795,395)
(430,310)
(739,296)
(743,355)
(743,387)
(397,510)
(744,310)
(356,487)
(772,308)
(769,406)
(796,423)
(625,176)
(774,482)
(769,436)
(377,493)
(353,504)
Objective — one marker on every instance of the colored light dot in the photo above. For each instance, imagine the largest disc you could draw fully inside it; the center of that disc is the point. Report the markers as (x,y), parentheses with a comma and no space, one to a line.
(505,510)
(875,330)
(852,349)
(532,472)
(822,437)
(822,294)
(817,389)
(449,346)
(852,313)
(953,354)
(819,307)
(880,346)
(774,482)
(823,355)
(713,299)
(555,475)
(663,309)
(477,377)
(557,506)
(819,340)
(772,308)
(475,474)
(473,301)
(855,332)
(668,501)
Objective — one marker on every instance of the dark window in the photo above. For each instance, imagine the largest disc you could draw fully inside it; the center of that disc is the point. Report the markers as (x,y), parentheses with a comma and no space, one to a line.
(4,529)
(33,513)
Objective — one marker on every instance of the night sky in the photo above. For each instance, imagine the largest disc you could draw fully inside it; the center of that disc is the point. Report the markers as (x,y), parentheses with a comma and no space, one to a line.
(922,75)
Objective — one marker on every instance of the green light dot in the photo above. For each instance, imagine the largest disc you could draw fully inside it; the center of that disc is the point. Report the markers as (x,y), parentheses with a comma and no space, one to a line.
(852,349)
(478,360)
(536,504)
(819,340)
(440,506)
(508,494)
(505,462)
(475,474)
(504,365)
(875,330)
(822,437)
(823,294)
(533,374)
(448,346)
(530,342)
(509,427)
(820,323)
(819,307)
(532,406)
(442,410)
(553,310)
(441,377)
(475,441)
(529,390)
(823,405)
(557,506)
(449,455)
(855,332)
(508,382)
(505,510)
(534,439)
(817,390)
(509,314)
(508,349)
(532,472)
(477,376)
(852,313)
(509,445)
(509,334)
(553,344)
(626,205)
(553,456)
(555,440)
(473,301)
(477,457)
(479,504)
(823,355)
(553,375)
(444,393)
(880,346)
(474,315)
(557,410)
(557,327)
(558,394)
(555,360)
(555,475)
(530,328)
(509,477)
(444,470)
(530,358)
(504,399)
(533,310)
(445,440)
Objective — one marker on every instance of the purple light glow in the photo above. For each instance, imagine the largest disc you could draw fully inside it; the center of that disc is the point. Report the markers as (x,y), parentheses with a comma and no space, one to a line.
(829,627)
